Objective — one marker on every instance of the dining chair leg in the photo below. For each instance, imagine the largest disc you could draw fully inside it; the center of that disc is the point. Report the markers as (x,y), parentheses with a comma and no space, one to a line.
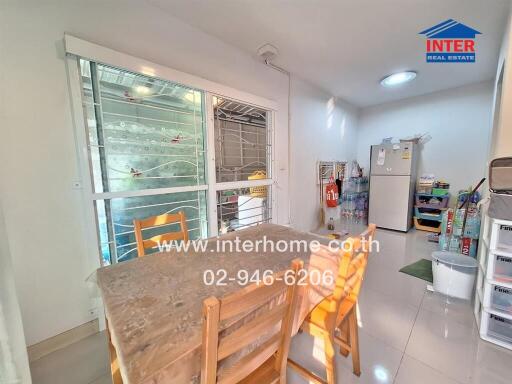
(330,367)
(354,342)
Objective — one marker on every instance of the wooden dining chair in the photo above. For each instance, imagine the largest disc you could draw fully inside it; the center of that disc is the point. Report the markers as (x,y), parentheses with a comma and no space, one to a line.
(158,221)
(335,320)
(267,362)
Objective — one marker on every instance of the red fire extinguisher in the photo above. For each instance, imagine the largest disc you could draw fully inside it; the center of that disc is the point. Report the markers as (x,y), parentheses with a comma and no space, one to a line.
(331,192)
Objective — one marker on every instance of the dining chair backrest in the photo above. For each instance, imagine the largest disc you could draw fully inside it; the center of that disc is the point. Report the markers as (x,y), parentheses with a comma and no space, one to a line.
(274,322)
(352,266)
(155,222)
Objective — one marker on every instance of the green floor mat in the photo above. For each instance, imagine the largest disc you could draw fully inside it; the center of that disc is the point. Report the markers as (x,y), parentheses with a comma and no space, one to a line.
(421,269)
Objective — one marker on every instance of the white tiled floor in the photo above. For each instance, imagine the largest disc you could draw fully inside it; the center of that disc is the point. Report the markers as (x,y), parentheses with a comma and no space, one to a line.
(407,335)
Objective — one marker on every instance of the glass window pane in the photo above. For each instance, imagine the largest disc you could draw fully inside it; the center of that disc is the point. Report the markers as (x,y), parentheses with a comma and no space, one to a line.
(143,132)
(117,226)
(243,207)
(106,245)
(242,141)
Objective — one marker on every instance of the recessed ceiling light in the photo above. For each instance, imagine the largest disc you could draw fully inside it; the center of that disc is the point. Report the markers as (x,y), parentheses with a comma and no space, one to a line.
(398,78)
(142,90)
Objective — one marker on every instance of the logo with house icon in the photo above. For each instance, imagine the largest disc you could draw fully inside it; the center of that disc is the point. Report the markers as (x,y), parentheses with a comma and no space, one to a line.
(450,42)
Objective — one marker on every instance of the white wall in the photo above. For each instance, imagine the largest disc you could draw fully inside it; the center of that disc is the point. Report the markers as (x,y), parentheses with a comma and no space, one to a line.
(458,120)
(13,354)
(501,137)
(322,128)
(43,213)
(37,151)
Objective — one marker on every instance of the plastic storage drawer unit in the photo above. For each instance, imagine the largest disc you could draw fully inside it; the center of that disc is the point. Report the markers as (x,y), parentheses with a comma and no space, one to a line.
(500,328)
(502,268)
(501,299)
(480,280)
(501,239)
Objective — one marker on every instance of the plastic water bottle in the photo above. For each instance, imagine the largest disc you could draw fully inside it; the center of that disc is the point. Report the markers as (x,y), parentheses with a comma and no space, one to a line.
(472,229)
(457,222)
(444,242)
(454,245)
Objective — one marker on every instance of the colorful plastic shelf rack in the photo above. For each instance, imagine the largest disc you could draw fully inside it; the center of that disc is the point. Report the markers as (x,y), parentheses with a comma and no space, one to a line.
(428,211)
(427,225)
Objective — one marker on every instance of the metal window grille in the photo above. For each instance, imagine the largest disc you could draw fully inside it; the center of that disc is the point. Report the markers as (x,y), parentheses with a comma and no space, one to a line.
(145,135)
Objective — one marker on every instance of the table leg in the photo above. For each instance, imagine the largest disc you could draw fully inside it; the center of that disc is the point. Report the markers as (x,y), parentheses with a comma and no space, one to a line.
(114,365)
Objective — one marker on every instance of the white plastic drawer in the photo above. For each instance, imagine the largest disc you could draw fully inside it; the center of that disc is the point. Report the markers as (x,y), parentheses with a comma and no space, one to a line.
(482,255)
(501,237)
(478,309)
(485,228)
(480,277)
(501,298)
(502,268)
(500,328)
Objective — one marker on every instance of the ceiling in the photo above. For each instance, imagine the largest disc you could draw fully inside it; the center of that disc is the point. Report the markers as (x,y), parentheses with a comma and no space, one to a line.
(345,46)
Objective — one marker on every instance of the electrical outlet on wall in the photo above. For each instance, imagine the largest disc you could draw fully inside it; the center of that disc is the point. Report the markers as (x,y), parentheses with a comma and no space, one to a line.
(93,313)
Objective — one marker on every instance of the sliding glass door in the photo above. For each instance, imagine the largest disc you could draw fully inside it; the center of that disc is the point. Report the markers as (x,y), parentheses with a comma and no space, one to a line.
(151,150)
(146,152)
(243,151)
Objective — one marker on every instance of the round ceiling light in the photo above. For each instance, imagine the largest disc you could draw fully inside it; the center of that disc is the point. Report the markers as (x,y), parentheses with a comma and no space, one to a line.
(398,78)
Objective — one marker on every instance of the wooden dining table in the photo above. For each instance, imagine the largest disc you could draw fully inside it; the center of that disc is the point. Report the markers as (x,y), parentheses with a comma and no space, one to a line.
(153,304)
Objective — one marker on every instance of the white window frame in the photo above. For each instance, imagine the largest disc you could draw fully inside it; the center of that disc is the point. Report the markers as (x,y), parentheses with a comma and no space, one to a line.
(77,48)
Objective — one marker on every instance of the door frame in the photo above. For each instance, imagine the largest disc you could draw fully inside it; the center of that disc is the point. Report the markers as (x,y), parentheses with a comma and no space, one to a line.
(76,49)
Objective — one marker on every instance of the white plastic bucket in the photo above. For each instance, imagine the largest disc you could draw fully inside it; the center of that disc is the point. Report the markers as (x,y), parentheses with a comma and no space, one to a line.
(454,274)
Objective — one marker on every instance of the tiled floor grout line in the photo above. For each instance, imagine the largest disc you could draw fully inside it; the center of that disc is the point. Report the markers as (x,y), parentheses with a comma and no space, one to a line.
(409,337)
(437,370)
(390,296)
(99,377)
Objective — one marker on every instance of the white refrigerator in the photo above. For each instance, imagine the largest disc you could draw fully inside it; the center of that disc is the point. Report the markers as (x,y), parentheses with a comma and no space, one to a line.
(392,183)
